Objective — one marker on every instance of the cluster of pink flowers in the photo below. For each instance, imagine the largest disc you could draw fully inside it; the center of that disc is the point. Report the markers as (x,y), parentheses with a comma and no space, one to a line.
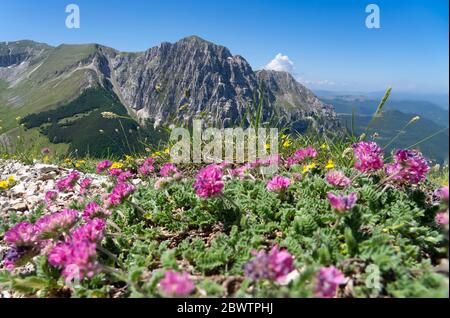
(176,284)
(409,167)
(119,193)
(242,172)
(68,183)
(278,184)
(169,170)
(442,217)
(338,179)
(78,259)
(327,282)
(274,266)
(93,210)
(120,175)
(125,176)
(301,155)
(51,226)
(91,231)
(442,194)
(271,160)
(103,165)
(147,167)
(342,203)
(50,197)
(77,256)
(368,156)
(85,184)
(169,173)
(209,182)
(23,234)
(26,237)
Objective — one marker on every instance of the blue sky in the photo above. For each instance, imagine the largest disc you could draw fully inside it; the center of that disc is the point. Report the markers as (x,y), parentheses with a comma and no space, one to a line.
(326,40)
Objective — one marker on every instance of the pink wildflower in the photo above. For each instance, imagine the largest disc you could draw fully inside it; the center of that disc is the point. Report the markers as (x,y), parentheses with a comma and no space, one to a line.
(176,284)
(85,184)
(68,183)
(338,179)
(278,184)
(368,156)
(442,218)
(23,234)
(57,223)
(302,154)
(120,192)
(124,176)
(102,166)
(342,203)
(409,167)
(442,193)
(328,281)
(275,265)
(168,170)
(50,197)
(241,171)
(209,182)
(93,210)
(115,172)
(91,231)
(147,167)
(78,259)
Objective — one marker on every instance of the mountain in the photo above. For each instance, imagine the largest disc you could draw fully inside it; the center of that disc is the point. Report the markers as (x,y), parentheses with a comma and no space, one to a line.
(173,82)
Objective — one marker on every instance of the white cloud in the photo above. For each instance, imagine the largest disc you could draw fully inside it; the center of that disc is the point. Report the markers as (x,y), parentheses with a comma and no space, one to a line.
(281,63)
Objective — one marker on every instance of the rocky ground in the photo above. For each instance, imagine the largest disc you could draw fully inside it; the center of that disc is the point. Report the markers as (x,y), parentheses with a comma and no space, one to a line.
(33,181)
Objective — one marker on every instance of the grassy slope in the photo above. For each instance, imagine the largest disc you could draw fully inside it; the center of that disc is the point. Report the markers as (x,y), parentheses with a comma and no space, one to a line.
(78,123)
(45,88)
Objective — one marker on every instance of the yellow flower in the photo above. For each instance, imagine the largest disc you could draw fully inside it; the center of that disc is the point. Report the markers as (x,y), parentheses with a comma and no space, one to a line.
(287,143)
(267,146)
(45,159)
(167,151)
(129,159)
(324,147)
(4,184)
(80,163)
(117,165)
(330,164)
(11,179)
(309,167)
(156,154)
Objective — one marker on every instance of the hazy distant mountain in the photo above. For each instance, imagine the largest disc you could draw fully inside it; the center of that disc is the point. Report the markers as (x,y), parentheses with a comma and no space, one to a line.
(391,123)
(441,100)
(397,113)
(344,104)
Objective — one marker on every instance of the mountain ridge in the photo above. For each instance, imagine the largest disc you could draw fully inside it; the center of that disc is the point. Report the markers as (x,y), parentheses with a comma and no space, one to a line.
(184,80)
